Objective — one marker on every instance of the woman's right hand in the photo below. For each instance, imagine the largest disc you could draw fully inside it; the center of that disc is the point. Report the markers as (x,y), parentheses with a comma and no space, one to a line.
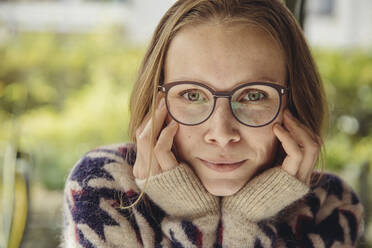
(163,157)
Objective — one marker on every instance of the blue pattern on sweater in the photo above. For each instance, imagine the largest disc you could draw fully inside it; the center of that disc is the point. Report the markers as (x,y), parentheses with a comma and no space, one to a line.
(85,209)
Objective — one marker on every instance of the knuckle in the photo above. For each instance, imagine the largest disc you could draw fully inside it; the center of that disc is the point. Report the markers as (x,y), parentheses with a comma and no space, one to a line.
(139,138)
(145,136)
(143,140)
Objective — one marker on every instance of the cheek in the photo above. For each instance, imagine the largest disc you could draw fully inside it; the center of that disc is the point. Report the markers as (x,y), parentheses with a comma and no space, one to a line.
(262,135)
(185,140)
(184,135)
(263,141)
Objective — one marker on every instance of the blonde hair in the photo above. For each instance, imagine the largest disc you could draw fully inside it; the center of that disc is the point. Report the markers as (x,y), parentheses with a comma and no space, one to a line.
(270,15)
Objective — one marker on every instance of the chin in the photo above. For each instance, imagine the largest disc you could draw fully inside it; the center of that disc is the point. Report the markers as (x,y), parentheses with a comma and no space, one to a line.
(222,188)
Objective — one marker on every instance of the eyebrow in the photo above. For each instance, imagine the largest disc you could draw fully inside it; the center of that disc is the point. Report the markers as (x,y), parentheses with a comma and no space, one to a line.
(260,79)
(267,79)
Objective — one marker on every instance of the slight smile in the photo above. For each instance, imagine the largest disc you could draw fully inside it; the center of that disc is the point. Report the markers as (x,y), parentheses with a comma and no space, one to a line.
(222,167)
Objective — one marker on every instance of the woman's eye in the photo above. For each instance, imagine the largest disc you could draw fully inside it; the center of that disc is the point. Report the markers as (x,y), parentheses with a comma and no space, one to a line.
(254,96)
(193,96)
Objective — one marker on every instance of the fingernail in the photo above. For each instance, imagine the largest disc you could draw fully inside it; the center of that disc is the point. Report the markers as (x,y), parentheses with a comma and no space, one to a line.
(277,125)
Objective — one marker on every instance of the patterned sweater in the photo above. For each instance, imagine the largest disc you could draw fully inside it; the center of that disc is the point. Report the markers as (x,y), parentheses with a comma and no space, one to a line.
(272,210)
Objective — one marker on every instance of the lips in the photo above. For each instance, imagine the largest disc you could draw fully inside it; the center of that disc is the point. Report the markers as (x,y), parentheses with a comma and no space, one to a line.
(223,166)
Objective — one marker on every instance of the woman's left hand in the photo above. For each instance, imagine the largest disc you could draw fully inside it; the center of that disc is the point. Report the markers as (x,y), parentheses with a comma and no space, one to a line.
(301,145)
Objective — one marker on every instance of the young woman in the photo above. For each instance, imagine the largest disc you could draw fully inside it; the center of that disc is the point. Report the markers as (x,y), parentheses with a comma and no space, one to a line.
(228,112)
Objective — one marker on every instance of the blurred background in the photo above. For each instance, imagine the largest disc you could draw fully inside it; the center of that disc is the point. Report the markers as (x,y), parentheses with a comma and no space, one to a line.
(66,71)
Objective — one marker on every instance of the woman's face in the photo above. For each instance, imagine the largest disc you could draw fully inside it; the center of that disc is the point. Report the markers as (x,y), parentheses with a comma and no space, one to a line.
(223,57)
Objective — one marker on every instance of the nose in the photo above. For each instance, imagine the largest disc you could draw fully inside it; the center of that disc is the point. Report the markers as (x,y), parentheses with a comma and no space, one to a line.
(222,125)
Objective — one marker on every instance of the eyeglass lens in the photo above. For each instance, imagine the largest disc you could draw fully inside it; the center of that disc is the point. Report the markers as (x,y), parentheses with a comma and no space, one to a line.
(253,105)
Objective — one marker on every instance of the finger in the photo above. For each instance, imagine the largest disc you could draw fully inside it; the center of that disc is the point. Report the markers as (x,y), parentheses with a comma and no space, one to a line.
(160,115)
(308,163)
(144,147)
(163,153)
(147,117)
(141,166)
(142,126)
(158,98)
(290,119)
(309,146)
(294,154)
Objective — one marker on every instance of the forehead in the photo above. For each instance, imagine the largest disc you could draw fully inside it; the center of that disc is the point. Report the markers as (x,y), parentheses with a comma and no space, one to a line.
(224,56)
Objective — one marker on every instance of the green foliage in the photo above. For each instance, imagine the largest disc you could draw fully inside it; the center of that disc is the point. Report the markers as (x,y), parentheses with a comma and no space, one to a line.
(64,95)
(347,78)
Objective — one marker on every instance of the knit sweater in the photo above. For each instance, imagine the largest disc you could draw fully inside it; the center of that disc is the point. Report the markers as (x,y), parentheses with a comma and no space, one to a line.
(273,209)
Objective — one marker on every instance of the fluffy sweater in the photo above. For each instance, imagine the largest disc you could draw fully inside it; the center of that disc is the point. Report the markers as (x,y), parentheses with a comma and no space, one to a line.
(273,209)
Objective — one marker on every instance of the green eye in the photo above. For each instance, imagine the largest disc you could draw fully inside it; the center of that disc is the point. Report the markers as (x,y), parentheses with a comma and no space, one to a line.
(255,96)
(193,96)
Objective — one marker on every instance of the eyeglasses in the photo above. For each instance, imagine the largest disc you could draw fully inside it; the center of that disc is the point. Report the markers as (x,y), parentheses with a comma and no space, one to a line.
(253,104)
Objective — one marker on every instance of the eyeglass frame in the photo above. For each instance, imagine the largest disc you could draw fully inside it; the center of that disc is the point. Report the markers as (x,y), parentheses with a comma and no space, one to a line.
(224,94)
